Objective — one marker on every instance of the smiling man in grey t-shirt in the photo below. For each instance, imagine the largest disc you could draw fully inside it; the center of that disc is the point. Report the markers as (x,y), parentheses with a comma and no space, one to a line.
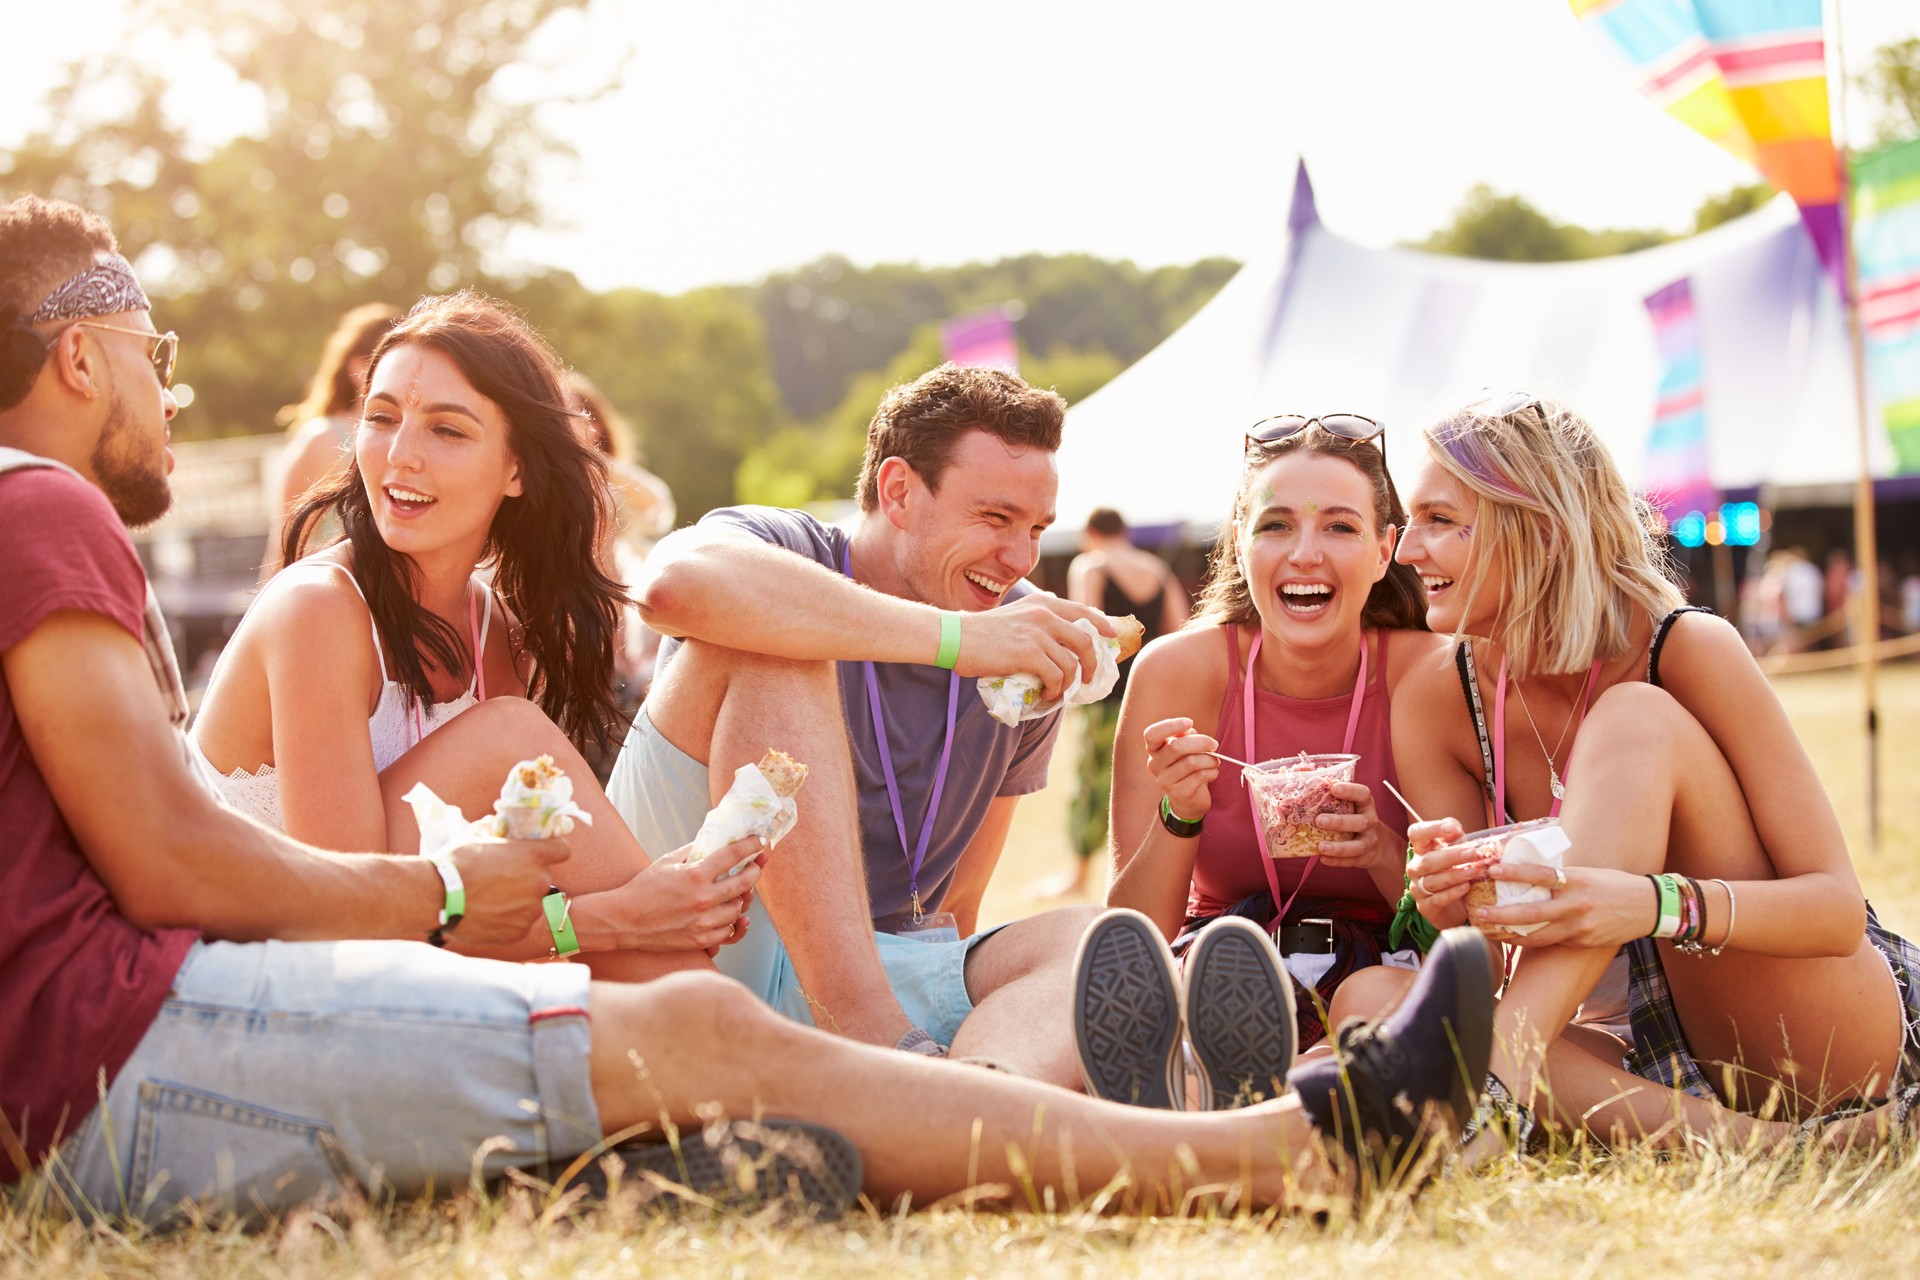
(855,652)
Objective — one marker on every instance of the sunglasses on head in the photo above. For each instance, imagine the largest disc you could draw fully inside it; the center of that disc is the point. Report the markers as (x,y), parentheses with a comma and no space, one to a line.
(166,346)
(1513,402)
(1283,426)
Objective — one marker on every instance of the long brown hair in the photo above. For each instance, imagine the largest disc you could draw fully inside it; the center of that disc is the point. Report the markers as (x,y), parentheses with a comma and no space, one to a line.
(334,390)
(1396,601)
(541,541)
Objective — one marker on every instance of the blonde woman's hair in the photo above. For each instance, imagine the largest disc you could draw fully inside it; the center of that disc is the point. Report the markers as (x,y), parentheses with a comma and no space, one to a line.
(1582,555)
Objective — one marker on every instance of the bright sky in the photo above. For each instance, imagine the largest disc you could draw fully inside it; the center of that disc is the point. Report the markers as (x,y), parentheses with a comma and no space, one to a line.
(744,138)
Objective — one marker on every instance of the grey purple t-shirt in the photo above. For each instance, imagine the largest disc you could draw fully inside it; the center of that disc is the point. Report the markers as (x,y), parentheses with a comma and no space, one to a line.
(989,760)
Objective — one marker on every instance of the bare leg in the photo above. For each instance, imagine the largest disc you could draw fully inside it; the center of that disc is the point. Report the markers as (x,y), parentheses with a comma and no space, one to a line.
(725,707)
(465,761)
(691,1045)
(1021,984)
(1652,792)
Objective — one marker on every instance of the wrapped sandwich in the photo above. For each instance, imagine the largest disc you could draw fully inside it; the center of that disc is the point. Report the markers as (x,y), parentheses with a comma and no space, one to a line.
(1013,699)
(759,803)
(536,802)
(1539,843)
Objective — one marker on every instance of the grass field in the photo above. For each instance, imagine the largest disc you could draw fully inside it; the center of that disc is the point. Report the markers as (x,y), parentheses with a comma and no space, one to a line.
(1700,1215)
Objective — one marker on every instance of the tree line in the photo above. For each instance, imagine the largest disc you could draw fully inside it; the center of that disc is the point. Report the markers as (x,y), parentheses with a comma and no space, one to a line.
(391,152)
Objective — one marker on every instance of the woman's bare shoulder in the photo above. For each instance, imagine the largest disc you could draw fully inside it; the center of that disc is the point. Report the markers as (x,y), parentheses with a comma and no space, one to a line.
(1411,651)
(1189,664)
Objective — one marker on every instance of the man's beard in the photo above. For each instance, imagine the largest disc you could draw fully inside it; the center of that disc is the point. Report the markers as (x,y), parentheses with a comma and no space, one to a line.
(133,478)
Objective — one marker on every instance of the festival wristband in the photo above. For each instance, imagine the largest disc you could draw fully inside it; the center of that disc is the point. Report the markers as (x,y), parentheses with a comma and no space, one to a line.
(454,908)
(559,923)
(1185,828)
(1668,923)
(949,642)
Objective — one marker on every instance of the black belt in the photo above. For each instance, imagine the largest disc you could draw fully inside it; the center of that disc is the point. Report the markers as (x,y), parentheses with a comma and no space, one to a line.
(1311,937)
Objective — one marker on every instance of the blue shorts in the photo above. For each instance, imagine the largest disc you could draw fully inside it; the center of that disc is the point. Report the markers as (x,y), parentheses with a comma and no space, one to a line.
(279,1072)
(662,793)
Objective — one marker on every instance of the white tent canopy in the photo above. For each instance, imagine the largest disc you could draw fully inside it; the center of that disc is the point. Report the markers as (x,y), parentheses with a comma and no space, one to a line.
(1327,325)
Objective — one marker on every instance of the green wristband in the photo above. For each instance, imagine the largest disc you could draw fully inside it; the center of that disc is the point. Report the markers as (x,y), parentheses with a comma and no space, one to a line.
(558,909)
(454,906)
(949,642)
(1668,924)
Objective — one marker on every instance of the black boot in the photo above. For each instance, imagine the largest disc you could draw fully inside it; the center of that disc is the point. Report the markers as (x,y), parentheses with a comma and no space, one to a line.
(1375,1094)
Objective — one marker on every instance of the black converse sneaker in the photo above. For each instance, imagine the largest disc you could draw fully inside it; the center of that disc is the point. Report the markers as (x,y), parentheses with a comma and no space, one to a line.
(1126,1013)
(1389,1080)
(1240,1018)
(806,1170)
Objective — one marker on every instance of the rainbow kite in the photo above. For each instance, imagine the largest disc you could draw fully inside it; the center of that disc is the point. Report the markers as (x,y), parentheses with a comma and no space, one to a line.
(1749,74)
(1886,246)
(1678,479)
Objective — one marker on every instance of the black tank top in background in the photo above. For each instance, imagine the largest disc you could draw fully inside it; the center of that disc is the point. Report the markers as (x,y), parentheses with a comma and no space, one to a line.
(1152,613)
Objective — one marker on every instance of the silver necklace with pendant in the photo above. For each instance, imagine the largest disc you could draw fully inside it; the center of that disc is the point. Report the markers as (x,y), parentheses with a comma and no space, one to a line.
(1554,784)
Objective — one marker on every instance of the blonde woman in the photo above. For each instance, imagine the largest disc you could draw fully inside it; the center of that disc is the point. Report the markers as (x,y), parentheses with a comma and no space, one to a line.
(1707,954)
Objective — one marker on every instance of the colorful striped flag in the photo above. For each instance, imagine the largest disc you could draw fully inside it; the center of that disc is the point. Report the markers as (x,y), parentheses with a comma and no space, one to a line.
(1678,479)
(982,338)
(1749,74)
(1886,249)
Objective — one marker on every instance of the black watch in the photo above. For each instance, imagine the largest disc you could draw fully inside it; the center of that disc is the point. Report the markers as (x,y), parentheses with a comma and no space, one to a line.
(1178,826)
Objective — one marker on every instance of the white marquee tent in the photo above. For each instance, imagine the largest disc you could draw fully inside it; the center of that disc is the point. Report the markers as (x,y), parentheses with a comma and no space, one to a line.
(1326,325)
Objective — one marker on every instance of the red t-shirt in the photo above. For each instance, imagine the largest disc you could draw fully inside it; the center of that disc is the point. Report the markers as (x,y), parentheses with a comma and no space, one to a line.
(79,985)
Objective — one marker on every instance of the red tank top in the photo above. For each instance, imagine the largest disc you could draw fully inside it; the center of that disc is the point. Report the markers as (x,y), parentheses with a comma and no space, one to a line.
(1226,866)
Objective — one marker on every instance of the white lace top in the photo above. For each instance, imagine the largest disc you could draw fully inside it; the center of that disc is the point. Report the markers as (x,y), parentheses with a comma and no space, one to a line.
(395,726)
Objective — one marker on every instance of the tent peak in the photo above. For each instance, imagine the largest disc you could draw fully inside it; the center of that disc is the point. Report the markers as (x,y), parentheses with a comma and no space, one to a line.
(1303,213)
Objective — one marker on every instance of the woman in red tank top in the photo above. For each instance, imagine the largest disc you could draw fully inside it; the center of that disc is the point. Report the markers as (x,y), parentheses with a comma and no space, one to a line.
(1304,629)
(1704,850)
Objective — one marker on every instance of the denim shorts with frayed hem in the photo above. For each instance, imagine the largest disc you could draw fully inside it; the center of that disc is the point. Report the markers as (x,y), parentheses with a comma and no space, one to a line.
(277,1073)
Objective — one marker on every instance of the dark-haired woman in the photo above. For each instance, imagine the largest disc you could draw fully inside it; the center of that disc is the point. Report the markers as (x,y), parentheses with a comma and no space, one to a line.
(321,424)
(1302,632)
(382,660)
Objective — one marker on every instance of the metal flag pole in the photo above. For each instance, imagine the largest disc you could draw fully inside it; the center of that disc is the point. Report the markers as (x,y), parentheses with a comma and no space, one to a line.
(1865,532)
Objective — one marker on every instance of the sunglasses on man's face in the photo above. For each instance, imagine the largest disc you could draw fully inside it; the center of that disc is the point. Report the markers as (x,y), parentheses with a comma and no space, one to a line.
(1282,426)
(165,349)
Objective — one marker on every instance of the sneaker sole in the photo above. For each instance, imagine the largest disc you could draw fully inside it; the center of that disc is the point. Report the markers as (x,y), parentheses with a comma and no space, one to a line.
(744,1165)
(1240,1014)
(1126,1013)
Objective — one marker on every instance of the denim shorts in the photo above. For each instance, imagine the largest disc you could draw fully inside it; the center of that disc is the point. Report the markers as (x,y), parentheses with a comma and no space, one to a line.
(281,1072)
(662,793)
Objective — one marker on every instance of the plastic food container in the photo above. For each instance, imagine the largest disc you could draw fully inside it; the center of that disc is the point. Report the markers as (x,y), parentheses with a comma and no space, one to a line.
(1290,793)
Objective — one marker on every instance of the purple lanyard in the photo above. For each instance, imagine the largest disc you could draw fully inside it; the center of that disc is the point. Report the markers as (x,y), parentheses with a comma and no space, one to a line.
(919,853)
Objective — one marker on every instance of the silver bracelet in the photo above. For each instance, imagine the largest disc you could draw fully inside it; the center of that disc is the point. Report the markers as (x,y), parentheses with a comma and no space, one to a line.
(1732,914)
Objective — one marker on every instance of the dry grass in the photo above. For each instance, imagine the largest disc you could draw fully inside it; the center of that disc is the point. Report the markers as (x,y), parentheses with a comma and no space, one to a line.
(1701,1215)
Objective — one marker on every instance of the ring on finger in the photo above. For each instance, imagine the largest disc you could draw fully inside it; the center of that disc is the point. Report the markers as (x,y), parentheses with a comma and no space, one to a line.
(1420,883)
(1559,879)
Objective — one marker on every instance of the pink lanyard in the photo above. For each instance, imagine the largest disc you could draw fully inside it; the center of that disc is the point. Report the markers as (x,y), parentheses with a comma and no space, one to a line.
(1500,742)
(479,668)
(1346,748)
(916,855)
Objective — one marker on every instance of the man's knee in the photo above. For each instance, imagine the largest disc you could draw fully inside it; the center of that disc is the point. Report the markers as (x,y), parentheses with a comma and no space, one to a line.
(742,668)
(691,1003)
(1048,941)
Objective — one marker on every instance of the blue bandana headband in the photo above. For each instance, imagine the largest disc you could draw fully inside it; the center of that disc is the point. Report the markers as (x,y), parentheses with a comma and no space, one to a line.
(106,288)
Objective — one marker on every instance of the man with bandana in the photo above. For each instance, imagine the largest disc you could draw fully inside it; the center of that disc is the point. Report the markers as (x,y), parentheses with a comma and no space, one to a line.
(194,1006)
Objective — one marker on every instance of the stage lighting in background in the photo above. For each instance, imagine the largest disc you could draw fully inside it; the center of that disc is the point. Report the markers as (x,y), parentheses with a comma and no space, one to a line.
(1735,524)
